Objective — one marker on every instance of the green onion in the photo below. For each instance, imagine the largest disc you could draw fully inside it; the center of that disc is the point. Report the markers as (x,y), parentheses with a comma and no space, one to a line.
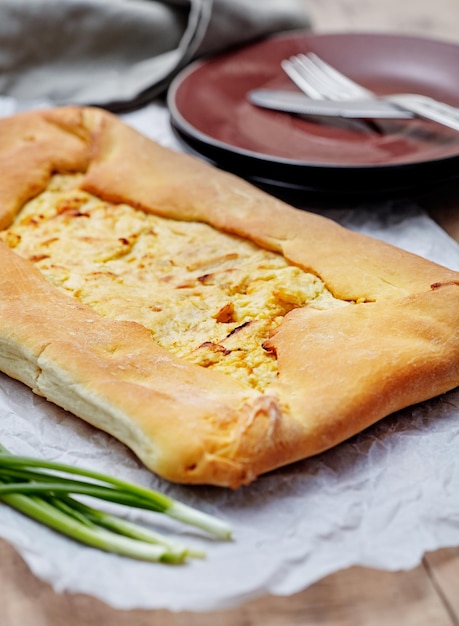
(44,491)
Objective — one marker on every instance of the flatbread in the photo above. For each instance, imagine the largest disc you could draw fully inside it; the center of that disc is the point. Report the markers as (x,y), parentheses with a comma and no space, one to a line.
(216,331)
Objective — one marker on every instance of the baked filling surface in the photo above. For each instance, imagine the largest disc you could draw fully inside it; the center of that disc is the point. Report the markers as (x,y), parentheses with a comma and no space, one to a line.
(207,296)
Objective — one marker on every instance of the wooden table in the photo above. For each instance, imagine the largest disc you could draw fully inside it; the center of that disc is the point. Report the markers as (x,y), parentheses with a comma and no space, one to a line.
(424,596)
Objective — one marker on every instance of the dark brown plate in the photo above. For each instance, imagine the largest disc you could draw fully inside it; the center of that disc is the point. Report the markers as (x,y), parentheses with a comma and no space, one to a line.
(211,114)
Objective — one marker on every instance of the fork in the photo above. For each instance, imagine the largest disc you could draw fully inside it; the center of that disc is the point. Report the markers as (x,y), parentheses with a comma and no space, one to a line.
(321,81)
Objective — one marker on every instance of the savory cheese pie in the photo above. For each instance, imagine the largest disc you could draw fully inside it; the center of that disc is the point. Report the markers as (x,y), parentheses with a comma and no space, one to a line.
(216,331)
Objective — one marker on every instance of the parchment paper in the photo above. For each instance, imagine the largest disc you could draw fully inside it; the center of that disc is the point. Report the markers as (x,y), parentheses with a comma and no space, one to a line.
(381,499)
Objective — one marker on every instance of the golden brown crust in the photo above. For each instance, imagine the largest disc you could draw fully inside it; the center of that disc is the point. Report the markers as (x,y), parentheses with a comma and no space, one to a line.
(339,370)
(31,148)
(177,416)
(356,364)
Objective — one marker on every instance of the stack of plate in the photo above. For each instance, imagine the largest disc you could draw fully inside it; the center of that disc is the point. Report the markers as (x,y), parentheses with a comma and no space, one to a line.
(212,116)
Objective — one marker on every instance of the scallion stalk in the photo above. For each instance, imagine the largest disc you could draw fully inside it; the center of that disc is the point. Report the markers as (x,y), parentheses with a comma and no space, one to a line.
(44,491)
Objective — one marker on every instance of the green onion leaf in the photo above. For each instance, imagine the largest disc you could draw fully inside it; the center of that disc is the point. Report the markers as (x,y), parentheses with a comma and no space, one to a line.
(44,491)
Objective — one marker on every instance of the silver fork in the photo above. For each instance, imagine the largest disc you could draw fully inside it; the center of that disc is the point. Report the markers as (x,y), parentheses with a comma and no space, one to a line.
(321,81)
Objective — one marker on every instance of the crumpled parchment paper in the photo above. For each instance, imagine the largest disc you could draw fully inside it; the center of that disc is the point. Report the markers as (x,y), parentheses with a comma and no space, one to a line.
(381,499)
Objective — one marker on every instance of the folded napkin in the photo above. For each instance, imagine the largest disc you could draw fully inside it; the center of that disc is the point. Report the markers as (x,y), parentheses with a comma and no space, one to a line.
(122,53)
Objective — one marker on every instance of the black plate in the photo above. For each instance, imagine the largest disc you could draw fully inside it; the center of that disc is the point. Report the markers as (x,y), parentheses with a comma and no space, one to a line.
(212,117)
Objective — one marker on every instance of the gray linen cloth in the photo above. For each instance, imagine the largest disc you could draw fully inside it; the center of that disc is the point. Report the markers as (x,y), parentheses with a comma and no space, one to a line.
(122,53)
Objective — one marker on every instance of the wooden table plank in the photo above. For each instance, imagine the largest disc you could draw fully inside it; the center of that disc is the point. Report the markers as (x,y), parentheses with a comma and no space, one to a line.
(443,566)
(437,19)
(357,597)
(443,206)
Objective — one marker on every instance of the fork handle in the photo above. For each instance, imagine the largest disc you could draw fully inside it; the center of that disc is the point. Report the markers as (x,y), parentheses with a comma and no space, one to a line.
(429,109)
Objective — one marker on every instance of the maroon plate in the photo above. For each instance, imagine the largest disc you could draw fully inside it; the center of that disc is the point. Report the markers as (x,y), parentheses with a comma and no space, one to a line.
(211,113)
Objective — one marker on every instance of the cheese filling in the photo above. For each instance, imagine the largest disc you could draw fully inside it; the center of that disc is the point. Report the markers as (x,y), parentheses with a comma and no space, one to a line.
(207,296)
